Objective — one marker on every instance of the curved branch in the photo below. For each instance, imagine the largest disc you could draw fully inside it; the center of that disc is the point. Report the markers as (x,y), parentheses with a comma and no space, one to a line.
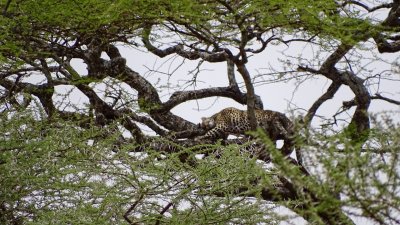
(264,44)
(360,123)
(183,96)
(366,7)
(328,67)
(386,46)
(391,23)
(333,88)
(179,49)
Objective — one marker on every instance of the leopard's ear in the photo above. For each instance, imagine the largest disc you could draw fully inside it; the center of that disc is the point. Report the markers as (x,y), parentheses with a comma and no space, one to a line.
(204,120)
(201,124)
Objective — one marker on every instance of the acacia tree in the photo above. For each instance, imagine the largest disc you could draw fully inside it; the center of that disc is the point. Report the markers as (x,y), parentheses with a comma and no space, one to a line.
(57,162)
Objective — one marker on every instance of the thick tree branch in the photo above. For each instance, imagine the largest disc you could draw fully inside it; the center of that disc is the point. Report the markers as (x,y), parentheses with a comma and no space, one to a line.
(391,22)
(251,94)
(231,74)
(359,125)
(386,46)
(230,92)
(392,19)
(328,67)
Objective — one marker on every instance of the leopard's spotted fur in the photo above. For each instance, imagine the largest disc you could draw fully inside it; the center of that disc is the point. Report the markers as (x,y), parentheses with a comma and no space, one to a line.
(234,121)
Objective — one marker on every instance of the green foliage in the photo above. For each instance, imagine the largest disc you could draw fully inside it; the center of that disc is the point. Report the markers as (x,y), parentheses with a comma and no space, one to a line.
(70,20)
(361,179)
(50,171)
(45,166)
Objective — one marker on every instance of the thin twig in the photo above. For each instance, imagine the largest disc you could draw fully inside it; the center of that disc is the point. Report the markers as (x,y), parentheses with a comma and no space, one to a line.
(165,209)
(126,215)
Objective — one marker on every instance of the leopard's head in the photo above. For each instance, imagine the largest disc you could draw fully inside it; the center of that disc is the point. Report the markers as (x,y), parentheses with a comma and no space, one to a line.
(207,123)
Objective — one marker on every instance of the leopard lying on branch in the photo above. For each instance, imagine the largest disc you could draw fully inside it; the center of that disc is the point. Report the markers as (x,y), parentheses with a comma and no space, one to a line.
(232,121)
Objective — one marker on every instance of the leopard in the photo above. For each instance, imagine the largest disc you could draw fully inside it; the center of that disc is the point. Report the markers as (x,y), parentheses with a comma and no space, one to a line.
(233,121)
